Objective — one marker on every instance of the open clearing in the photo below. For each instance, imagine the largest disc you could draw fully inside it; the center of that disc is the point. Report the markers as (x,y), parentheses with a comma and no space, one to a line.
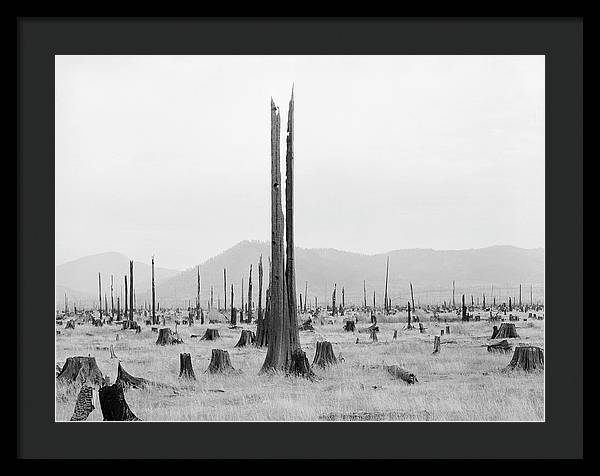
(464,382)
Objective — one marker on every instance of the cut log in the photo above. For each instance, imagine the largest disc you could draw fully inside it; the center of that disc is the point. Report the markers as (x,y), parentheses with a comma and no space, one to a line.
(299,366)
(113,404)
(129,381)
(84,404)
(528,358)
(506,331)
(211,334)
(436,344)
(167,337)
(219,362)
(400,373)
(81,370)
(246,338)
(349,326)
(324,355)
(502,346)
(185,367)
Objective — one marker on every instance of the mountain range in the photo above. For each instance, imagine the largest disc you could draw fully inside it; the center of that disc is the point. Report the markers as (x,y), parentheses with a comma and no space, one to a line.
(496,269)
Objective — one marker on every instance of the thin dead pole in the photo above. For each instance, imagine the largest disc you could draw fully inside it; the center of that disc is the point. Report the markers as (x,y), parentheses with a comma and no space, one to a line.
(154,320)
(225,288)
(412,296)
(112,299)
(250,296)
(305,294)
(453,290)
(126,300)
(131,290)
(385,298)
(198,297)
(365,293)
(100,294)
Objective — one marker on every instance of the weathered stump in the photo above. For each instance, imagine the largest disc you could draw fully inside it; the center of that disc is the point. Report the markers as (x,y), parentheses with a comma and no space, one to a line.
(185,367)
(494,332)
(84,404)
(442,332)
(299,365)
(324,355)
(507,331)
(528,358)
(219,362)
(112,352)
(70,324)
(113,404)
(447,329)
(395,334)
(81,370)
(400,373)
(246,338)
(373,335)
(502,346)
(306,326)
(436,344)
(166,337)
(421,328)
(129,381)
(349,326)
(211,334)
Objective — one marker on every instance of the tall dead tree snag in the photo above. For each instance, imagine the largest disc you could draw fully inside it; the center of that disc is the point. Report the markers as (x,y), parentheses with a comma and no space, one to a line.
(233,313)
(100,295)
(284,339)
(131,290)
(385,297)
(305,294)
(261,323)
(154,319)
(365,295)
(249,315)
(126,300)
(464,309)
(225,289)
(112,298)
(199,315)
(333,296)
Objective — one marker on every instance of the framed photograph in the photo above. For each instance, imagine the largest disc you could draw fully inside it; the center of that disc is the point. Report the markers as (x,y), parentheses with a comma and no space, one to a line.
(319,238)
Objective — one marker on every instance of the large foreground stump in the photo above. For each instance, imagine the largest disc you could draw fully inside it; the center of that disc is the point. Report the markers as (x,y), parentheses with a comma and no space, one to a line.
(185,367)
(349,326)
(211,334)
(113,404)
(81,370)
(246,338)
(166,337)
(507,331)
(129,381)
(219,362)
(400,373)
(527,358)
(84,404)
(324,355)
(502,346)
(299,366)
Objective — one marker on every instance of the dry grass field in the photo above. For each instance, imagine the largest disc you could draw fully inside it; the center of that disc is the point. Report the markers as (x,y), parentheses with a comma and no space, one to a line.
(464,382)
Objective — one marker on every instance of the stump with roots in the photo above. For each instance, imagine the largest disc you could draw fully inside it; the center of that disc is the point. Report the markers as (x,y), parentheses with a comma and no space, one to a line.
(436,344)
(506,331)
(502,346)
(211,334)
(129,381)
(299,366)
(185,367)
(349,326)
(166,337)
(81,370)
(113,404)
(306,326)
(220,363)
(70,324)
(324,355)
(528,358)
(84,404)
(246,338)
(402,374)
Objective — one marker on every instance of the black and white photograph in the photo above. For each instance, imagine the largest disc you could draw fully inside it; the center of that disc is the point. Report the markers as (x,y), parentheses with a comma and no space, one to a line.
(299,238)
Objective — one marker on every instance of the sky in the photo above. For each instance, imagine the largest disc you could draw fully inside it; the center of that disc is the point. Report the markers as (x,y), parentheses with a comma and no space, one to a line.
(170,155)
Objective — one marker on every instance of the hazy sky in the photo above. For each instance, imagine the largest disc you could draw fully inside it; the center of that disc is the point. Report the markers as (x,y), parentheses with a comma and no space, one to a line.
(170,155)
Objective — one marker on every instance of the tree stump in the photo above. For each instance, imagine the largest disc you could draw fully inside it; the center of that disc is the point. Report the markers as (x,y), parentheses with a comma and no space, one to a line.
(112,352)
(502,346)
(349,326)
(447,329)
(113,404)
(494,332)
(70,324)
(324,355)
(395,334)
(421,328)
(84,404)
(185,367)
(507,331)
(528,358)
(81,370)
(129,381)
(246,338)
(211,334)
(436,344)
(306,326)
(299,365)
(442,332)
(400,373)
(373,335)
(166,337)
(219,362)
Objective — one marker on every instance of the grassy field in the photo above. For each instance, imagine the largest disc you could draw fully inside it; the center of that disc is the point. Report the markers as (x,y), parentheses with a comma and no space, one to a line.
(464,382)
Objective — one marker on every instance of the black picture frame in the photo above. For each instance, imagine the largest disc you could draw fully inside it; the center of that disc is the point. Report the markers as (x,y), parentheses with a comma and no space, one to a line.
(559,39)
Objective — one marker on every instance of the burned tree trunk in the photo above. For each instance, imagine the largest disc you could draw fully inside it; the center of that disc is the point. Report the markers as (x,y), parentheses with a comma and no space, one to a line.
(225,289)
(333,306)
(400,373)
(199,315)
(502,346)
(246,338)
(185,367)
(262,326)
(112,298)
(527,358)
(219,362)
(233,313)
(409,324)
(507,331)
(464,309)
(249,315)
(211,334)
(349,326)
(131,290)
(154,320)
(80,370)
(305,294)
(365,294)
(113,404)
(100,295)
(436,344)
(412,297)
(125,316)
(324,355)
(385,297)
